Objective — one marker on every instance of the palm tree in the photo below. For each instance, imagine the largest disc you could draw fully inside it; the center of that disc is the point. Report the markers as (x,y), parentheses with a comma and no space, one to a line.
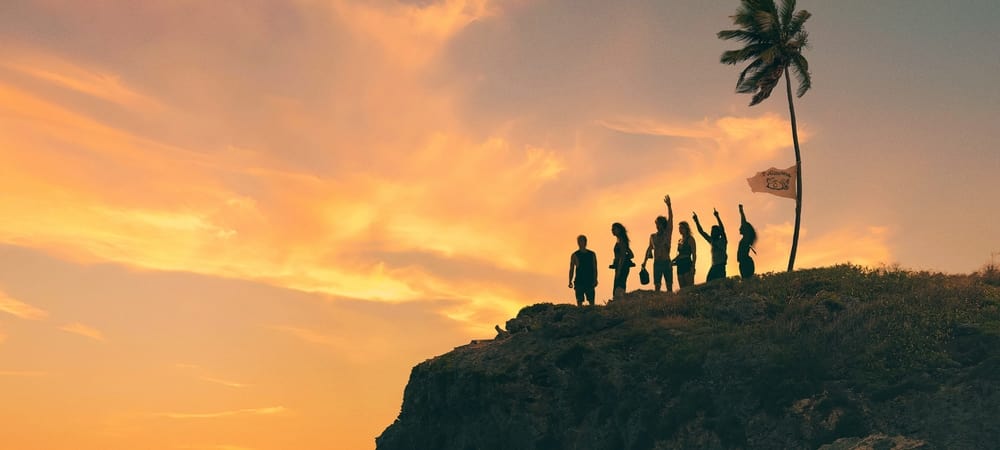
(774,39)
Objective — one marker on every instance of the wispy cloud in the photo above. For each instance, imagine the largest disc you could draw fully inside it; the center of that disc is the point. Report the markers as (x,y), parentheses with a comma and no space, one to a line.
(214,447)
(23,373)
(311,336)
(20,309)
(268,411)
(84,330)
(91,81)
(232,384)
(198,372)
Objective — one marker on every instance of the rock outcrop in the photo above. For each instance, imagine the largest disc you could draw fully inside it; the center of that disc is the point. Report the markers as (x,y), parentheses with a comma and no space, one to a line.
(836,358)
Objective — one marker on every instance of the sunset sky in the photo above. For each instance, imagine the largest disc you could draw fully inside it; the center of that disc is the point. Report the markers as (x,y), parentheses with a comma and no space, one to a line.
(236,225)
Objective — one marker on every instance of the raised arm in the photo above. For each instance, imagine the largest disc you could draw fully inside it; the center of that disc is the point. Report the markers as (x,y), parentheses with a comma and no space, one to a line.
(719,220)
(743,217)
(670,212)
(701,230)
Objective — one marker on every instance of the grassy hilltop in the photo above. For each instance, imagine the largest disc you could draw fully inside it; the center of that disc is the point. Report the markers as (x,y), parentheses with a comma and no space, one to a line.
(834,358)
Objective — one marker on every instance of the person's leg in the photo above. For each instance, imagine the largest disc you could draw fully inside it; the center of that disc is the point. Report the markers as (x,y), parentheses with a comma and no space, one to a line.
(747,268)
(621,276)
(616,290)
(657,273)
(666,271)
(668,276)
(717,271)
(589,294)
(579,296)
(688,278)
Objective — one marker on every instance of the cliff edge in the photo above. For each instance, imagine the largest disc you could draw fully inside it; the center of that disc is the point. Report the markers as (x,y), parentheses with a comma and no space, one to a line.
(834,358)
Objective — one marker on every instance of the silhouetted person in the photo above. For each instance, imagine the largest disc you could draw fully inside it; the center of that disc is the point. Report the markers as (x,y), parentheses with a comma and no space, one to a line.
(659,249)
(584,263)
(623,258)
(687,254)
(748,237)
(718,242)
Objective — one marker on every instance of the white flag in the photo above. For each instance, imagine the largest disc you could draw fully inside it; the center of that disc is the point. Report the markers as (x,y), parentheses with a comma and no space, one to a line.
(775,181)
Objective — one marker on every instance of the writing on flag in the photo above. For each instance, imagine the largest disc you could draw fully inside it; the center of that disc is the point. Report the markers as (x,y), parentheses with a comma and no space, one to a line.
(780,182)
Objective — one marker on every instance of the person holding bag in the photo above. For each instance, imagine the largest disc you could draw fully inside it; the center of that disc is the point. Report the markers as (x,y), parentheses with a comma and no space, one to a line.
(687,253)
(623,259)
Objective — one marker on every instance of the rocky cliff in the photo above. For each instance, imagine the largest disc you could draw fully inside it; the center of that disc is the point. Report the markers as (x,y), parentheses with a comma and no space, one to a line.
(835,358)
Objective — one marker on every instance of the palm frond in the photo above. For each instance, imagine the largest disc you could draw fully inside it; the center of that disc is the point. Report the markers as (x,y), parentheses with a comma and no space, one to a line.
(740,35)
(767,22)
(798,41)
(800,66)
(746,16)
(795,25)
(774,38)
(751,51)
(762,81)
(764,5)
(766,86)
(786,11)
(750,69)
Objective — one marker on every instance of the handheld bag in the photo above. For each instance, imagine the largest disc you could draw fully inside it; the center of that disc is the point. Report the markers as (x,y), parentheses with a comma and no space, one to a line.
(643,276)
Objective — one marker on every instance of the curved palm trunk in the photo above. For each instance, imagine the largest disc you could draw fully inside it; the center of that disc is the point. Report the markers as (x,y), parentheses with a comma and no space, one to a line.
(798,174)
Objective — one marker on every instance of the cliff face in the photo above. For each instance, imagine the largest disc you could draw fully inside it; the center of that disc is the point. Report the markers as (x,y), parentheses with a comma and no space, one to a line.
(835,358)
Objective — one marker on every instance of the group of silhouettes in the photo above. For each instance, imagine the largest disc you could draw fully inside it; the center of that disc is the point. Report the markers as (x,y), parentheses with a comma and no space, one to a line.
(583,262)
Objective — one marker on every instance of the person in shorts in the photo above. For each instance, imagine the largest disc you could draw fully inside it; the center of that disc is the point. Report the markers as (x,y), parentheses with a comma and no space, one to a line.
(659,249)
(583,272)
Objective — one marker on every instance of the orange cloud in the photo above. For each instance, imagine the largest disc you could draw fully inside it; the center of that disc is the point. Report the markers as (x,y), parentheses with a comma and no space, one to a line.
(83,330)
(20,309)
(23,373)
(90,81)
(228,383)
(269,411)
(214,447)
(408,34)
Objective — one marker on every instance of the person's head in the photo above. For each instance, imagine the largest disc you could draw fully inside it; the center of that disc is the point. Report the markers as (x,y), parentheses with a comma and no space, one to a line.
(661,224)
(684,228)
(716,232)
(581,240)
(748,232)
(618,230)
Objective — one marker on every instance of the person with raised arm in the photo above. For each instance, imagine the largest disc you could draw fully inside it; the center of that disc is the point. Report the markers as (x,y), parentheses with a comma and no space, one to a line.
(747,240)
(687,255)
(718,242)
(583,264)
(659,249)
(623,259)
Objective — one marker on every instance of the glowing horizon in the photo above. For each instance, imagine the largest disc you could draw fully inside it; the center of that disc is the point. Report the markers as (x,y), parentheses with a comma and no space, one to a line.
(239,225)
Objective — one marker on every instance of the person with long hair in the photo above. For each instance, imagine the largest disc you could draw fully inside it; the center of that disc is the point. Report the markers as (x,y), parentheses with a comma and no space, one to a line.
(659,249)
(623,259)
(748,237)
(718,242)
(687,254)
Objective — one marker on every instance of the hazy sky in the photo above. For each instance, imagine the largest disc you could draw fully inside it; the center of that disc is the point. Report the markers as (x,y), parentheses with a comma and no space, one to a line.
(237,224)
